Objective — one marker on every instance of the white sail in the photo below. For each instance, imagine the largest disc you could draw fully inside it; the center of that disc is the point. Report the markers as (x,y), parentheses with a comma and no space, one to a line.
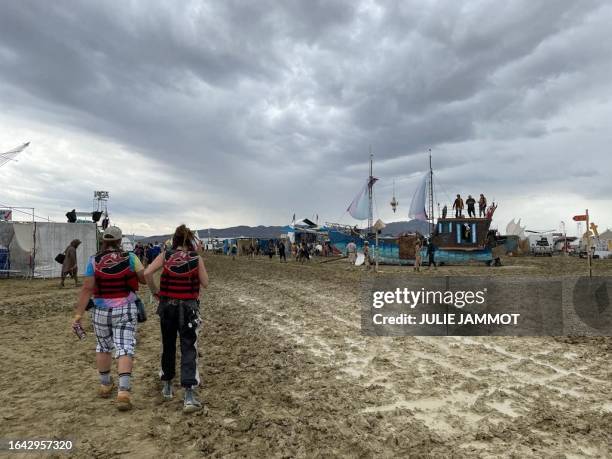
(511,227)
(515,229)
(418,206)
(360,206)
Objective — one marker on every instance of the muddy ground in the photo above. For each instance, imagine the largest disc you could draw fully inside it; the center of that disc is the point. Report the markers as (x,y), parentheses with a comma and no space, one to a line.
(287,373)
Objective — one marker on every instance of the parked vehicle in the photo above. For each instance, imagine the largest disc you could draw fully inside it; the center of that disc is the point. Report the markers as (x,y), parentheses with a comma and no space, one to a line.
(542,247)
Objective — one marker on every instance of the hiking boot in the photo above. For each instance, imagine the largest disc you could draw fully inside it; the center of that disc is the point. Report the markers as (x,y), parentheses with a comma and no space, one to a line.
(167,391)
(105,390)
(191,403)
(123,400)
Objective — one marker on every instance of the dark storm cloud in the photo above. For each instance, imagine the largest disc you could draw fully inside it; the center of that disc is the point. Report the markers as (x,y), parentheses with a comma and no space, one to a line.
(232,95)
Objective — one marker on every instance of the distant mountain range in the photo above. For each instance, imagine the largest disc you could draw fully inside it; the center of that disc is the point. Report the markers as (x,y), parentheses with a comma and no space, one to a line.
(267,232)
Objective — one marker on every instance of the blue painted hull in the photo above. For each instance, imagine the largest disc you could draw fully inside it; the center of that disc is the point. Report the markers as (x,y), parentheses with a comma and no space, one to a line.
(388,248)
(459,257)
(389,251)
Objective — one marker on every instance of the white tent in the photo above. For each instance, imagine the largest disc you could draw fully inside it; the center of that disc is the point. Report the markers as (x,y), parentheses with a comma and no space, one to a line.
(127,244)
(515,229)
(33,246)
(605,239)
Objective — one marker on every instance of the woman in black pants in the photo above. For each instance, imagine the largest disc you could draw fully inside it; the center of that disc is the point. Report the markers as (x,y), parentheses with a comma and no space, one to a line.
(179,312)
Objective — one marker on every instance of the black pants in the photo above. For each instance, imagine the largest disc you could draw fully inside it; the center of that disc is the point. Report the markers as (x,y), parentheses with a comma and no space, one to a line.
(282,255)
(175,317)
(457,212)
(482,211)
(471,211)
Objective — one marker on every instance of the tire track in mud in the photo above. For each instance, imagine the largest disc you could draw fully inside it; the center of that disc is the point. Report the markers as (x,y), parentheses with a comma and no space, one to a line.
(484,397)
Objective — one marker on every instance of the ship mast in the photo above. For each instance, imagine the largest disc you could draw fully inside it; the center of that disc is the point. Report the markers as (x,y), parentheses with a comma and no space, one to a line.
(370,209)
(431,198)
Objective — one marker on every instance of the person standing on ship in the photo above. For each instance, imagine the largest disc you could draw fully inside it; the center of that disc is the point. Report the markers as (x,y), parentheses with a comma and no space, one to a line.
(482,206)
(458,206)
(471,203)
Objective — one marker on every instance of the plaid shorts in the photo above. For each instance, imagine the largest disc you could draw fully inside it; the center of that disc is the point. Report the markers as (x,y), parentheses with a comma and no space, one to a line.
(116,328)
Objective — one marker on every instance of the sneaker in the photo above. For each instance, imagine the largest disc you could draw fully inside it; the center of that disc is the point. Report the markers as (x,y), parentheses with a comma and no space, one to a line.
(167,391)
(191,403)
(123,400)
(105,390)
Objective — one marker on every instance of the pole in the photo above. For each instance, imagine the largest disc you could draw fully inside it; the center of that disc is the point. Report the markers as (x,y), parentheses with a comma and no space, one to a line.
(431,198)
(33,258)
(588,233)
(370,210)
(376,250)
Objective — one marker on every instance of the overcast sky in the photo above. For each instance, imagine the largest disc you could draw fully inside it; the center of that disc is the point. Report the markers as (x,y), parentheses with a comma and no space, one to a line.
(233,112)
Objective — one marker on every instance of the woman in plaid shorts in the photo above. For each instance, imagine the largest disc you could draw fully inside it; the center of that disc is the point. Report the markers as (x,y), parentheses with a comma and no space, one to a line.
(112,277)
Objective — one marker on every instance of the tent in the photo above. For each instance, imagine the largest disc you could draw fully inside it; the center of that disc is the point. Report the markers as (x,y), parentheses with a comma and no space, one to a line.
(605,239)
(31,247)
(127,243)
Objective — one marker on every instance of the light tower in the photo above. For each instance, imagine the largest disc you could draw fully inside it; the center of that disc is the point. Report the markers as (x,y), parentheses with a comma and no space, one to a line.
(100,205)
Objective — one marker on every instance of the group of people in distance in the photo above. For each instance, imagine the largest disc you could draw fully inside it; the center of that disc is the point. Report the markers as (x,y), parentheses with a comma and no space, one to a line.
(351,254)
(109,291)
(299,251)
(146,253)
(470,202)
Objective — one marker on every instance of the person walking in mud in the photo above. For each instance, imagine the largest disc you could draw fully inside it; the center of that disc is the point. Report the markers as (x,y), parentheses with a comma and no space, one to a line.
(183,274)
(281,252)
(303,253)
(431,252)
(351,252)
(234,251)
(418,245)
(111,278)
(69,266)
(458,206)
(366,254)
(482,206)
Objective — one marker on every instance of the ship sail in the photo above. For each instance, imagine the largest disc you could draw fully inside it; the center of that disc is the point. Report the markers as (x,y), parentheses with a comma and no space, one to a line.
(418,205)
(360,206)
